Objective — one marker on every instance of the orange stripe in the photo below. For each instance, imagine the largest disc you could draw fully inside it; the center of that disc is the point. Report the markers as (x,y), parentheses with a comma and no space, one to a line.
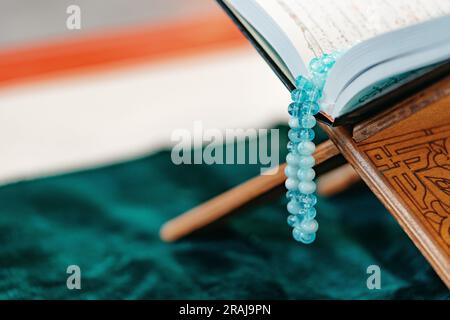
(118,48)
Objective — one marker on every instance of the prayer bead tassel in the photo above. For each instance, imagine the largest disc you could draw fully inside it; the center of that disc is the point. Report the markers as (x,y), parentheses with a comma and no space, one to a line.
(300,173)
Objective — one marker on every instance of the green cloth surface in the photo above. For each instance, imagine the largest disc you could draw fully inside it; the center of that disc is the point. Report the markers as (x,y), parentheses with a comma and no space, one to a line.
(106,221)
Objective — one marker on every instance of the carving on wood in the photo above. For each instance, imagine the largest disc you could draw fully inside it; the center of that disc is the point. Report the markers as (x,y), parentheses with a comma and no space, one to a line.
(417,165)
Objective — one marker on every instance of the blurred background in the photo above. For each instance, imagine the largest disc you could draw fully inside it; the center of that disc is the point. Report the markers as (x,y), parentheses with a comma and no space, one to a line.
(118,87)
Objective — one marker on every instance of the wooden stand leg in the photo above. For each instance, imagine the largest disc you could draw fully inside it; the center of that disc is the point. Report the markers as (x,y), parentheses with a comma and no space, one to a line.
(337,180)
(228,201)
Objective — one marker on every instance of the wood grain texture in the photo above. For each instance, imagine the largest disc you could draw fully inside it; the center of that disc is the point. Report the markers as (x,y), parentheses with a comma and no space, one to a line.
(401,111)
(407,166)
(337,180)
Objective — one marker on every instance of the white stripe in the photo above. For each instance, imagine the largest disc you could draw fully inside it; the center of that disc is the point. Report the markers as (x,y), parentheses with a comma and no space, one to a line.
(73,123)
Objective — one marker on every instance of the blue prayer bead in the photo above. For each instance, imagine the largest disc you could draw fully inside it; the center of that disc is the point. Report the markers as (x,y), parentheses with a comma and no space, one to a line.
(315,65)
(291,183)
(295,94)
(291,171)
(307,187)
(308,121)
(328,61)
(296,233)
(305,238)
(305,135)
(293,109)
(310,107)
(294,207)
(292,159)
(292,220)
(306,148)
(311,213)
(292,148)
(308,238)
(314,95)
(308,213)
(294,123)
(307,200)
(300,161)
(298,95)
(292,194)
(306,161)
(294,136)
(310,199)
(309,226)
(303,84)
(306,174)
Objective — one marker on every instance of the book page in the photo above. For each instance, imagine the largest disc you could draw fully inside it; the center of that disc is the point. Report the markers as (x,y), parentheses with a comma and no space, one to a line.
(321,26)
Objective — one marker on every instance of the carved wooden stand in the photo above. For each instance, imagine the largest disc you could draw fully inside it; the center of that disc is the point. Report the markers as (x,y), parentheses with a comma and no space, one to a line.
(403,155)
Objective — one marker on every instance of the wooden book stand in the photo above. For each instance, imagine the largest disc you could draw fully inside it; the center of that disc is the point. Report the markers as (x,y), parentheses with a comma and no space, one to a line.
(402,154)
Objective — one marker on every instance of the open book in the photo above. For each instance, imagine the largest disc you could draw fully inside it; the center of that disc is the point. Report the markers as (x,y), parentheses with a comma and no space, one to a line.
(387,45)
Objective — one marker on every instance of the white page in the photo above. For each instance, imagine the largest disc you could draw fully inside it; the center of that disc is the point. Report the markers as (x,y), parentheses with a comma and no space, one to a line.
(381,49)
(319,26)
(389,69)
(266,22)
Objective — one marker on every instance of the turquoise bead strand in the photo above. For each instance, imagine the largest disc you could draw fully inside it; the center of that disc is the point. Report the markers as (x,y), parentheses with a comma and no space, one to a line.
(300,160)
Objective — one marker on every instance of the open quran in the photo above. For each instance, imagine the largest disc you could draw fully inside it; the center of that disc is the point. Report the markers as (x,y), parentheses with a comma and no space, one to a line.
(387,46)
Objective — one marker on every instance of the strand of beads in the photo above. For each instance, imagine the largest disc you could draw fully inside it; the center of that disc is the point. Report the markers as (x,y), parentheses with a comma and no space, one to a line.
(300,161)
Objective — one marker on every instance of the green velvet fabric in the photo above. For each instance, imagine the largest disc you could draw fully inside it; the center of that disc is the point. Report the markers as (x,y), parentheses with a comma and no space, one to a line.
(106,221)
